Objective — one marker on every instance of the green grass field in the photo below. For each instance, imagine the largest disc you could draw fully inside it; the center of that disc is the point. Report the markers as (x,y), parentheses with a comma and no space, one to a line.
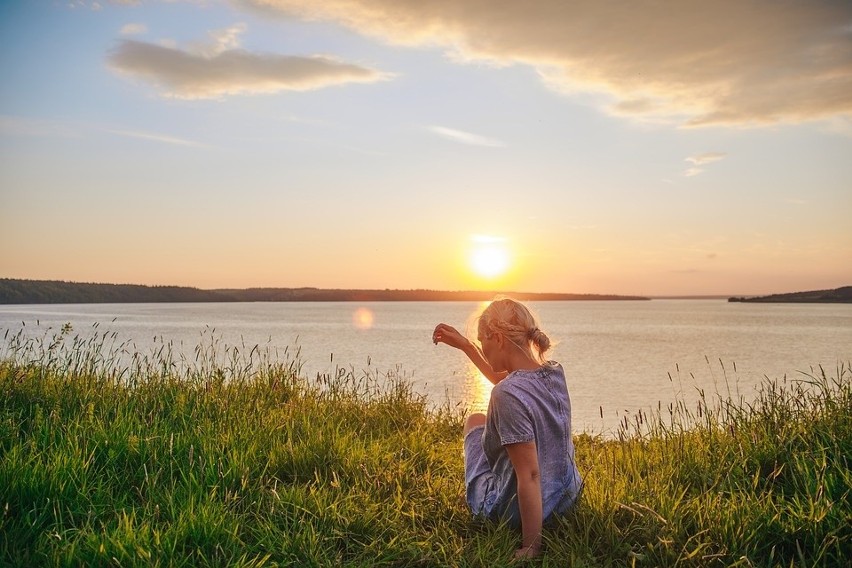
(234,459)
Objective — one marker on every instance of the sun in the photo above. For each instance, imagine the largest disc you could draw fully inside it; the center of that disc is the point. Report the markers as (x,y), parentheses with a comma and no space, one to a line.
(489,257)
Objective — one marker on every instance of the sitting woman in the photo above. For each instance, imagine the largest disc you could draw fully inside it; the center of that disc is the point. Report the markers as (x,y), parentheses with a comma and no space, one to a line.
(519,456)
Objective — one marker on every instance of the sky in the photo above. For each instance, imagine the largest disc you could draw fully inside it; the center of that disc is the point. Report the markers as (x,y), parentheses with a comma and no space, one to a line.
(597,146)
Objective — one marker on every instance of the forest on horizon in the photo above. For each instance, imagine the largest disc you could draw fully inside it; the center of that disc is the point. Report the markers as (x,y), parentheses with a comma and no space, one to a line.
(22,291)
(19,291)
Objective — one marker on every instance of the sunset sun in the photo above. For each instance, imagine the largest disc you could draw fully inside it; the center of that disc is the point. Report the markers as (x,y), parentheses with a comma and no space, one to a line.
(489,257)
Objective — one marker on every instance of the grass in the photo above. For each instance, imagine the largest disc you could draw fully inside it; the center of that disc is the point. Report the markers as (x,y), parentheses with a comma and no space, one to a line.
(109,457)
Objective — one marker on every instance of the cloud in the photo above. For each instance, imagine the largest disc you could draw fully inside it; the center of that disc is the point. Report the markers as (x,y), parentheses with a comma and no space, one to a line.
(465,137)
(133,29)
(697,63)
(19,126)
(701,160)
(706,158)
(96,6)
(218,67)
(219,41)
(157,138)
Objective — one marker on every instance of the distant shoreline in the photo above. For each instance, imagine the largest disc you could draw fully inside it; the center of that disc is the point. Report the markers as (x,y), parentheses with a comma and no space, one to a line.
(18,291)
(841,295)
(21,291)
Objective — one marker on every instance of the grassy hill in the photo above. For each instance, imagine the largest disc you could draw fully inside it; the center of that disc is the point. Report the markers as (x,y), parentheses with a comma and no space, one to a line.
(248,464)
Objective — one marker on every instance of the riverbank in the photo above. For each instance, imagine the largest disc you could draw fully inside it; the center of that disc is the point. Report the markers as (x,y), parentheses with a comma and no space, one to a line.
(235,459)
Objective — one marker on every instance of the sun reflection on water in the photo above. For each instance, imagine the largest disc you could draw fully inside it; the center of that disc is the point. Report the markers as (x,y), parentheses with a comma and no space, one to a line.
(477,389)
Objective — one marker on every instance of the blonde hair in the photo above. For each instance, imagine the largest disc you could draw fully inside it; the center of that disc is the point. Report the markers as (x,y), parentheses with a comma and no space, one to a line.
(517,324)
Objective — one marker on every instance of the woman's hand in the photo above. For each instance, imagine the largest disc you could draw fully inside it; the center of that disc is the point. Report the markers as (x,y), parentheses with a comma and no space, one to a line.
(448,334)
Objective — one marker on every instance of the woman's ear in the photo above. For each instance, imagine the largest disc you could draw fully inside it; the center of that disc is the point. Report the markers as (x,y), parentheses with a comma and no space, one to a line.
(499,339)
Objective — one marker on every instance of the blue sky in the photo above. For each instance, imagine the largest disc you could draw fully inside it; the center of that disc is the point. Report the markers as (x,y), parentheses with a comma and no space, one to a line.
(604,147)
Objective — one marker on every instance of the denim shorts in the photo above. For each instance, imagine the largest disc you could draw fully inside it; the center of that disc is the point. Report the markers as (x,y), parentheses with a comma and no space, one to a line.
(478,478)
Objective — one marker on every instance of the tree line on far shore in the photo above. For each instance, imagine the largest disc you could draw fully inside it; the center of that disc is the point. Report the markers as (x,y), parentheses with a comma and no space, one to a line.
(18,291)
(842,295)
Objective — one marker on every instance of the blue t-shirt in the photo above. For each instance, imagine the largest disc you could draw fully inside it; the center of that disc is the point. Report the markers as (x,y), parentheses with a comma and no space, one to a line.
(531,406)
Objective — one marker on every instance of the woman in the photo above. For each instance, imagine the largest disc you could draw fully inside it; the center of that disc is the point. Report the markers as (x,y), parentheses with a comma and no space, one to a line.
(519,456)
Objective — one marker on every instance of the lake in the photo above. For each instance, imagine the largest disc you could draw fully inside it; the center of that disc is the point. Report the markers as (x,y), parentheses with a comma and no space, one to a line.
(619,356)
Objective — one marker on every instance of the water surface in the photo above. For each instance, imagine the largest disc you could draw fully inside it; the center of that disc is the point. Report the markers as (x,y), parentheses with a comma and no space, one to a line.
(618,356)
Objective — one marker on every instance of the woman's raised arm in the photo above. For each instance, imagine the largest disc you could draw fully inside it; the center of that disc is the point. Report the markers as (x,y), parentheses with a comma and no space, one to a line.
(449,335)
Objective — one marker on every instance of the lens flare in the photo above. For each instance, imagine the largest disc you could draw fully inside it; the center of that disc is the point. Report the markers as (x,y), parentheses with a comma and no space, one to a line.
(363,318)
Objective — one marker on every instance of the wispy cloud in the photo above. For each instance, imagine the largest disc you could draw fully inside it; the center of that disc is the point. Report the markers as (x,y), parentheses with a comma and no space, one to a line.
(133,29)
(96,6)
(218,67)
(154,137)
(706,158)
(465,137)
(18,126)
(699,160)
(218,41)
(732,62)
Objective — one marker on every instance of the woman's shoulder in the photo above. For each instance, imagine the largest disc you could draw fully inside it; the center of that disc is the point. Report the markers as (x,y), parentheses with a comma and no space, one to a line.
(549,368)
(554,367)
(518,377)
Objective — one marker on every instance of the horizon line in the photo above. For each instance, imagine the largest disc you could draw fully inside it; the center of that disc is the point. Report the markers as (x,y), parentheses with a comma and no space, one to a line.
(433,290)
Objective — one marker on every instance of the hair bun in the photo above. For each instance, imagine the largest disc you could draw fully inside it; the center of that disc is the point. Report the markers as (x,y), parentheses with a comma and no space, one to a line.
(539,339)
